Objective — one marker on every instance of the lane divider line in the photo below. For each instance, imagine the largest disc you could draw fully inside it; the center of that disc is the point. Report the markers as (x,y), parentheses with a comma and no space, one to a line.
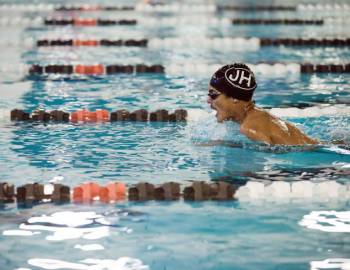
(99,116)
(277,21)
(184,69)
(145,8)
(336,8)
(159,22)
(34,193)
(190,115)
(187,69)
(237,43)
(181,42)
(88,22)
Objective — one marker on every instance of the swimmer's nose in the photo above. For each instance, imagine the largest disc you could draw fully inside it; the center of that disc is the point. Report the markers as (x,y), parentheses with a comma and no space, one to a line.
(209,100)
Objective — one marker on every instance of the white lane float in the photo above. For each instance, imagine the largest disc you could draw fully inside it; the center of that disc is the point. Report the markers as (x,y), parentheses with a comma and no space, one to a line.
(185,20)
(27,7)
(314,111)
(279,190)
(175,7)
(269,70)
(21,22)
(237,44)
(324,9)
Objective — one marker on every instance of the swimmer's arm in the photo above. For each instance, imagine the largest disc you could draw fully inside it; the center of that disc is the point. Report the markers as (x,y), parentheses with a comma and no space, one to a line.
(300,135)
(220,143)
(339,142)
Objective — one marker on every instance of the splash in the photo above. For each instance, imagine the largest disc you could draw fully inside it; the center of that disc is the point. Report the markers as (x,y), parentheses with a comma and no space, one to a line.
(91,247)
(204,130)
(327,221)
(336,263)
(204,127)
(70,225)
(123,263)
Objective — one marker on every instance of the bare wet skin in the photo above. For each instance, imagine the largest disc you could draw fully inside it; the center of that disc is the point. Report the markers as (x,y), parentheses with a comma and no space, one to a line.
(257,124)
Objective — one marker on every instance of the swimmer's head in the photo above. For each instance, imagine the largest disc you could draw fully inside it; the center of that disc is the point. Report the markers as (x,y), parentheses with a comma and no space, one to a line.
(236,81)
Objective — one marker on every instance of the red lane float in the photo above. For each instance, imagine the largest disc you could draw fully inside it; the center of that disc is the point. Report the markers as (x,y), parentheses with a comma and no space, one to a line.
(113,192)
(86,192)
(90,8)
(87,116)
(89,70)
(79,42)
(102,115)
(91,191)
(84,22)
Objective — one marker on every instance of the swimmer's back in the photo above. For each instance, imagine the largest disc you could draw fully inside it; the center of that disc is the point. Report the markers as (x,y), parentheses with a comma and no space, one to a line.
(259,125)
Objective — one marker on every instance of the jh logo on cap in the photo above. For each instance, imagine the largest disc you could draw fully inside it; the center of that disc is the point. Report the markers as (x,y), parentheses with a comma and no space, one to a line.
(240,77)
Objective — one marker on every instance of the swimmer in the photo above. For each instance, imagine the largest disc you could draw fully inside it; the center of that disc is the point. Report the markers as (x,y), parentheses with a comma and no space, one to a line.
(230,94)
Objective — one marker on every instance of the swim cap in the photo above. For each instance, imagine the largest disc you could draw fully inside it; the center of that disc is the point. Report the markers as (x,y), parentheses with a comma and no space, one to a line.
(235,81)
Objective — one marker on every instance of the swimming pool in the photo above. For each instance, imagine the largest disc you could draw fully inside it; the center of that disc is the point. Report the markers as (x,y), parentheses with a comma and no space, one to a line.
(292,210)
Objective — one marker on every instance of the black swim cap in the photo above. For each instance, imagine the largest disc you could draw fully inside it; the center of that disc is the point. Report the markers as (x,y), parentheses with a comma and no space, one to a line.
(235,81)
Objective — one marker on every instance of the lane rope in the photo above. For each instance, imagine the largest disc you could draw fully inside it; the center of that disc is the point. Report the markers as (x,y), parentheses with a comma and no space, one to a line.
(175,7)
(321,8)
(89,22)
(237,43)
(185,69)
(156,22)
(189,115)
(255,8)
(250,44)
(112,192)
(139,7)
(86,116)
(278,21)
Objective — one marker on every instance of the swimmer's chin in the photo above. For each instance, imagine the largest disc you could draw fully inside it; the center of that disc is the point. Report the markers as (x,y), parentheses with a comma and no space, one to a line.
(220,120)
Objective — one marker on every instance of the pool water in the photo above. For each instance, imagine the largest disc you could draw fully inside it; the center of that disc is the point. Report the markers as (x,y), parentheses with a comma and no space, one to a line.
(270,232)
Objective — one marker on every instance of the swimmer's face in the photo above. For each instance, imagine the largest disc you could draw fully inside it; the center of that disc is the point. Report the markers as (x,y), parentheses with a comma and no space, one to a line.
(220,103)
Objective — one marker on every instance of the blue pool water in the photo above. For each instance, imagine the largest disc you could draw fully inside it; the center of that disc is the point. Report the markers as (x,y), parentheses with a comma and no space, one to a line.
(270,232)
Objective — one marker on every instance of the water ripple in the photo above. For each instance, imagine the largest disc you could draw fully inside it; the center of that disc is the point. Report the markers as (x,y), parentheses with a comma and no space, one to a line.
(71,225)
(123,263)
(327,221)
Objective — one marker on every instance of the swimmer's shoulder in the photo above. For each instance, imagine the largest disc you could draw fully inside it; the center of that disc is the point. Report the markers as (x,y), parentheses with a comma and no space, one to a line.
(289,134)
(258,114)
(257,119)
(254,127)
(260,125)
(264,120)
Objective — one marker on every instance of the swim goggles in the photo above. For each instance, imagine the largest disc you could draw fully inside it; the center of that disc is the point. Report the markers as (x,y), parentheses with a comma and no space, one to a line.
(213,94)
